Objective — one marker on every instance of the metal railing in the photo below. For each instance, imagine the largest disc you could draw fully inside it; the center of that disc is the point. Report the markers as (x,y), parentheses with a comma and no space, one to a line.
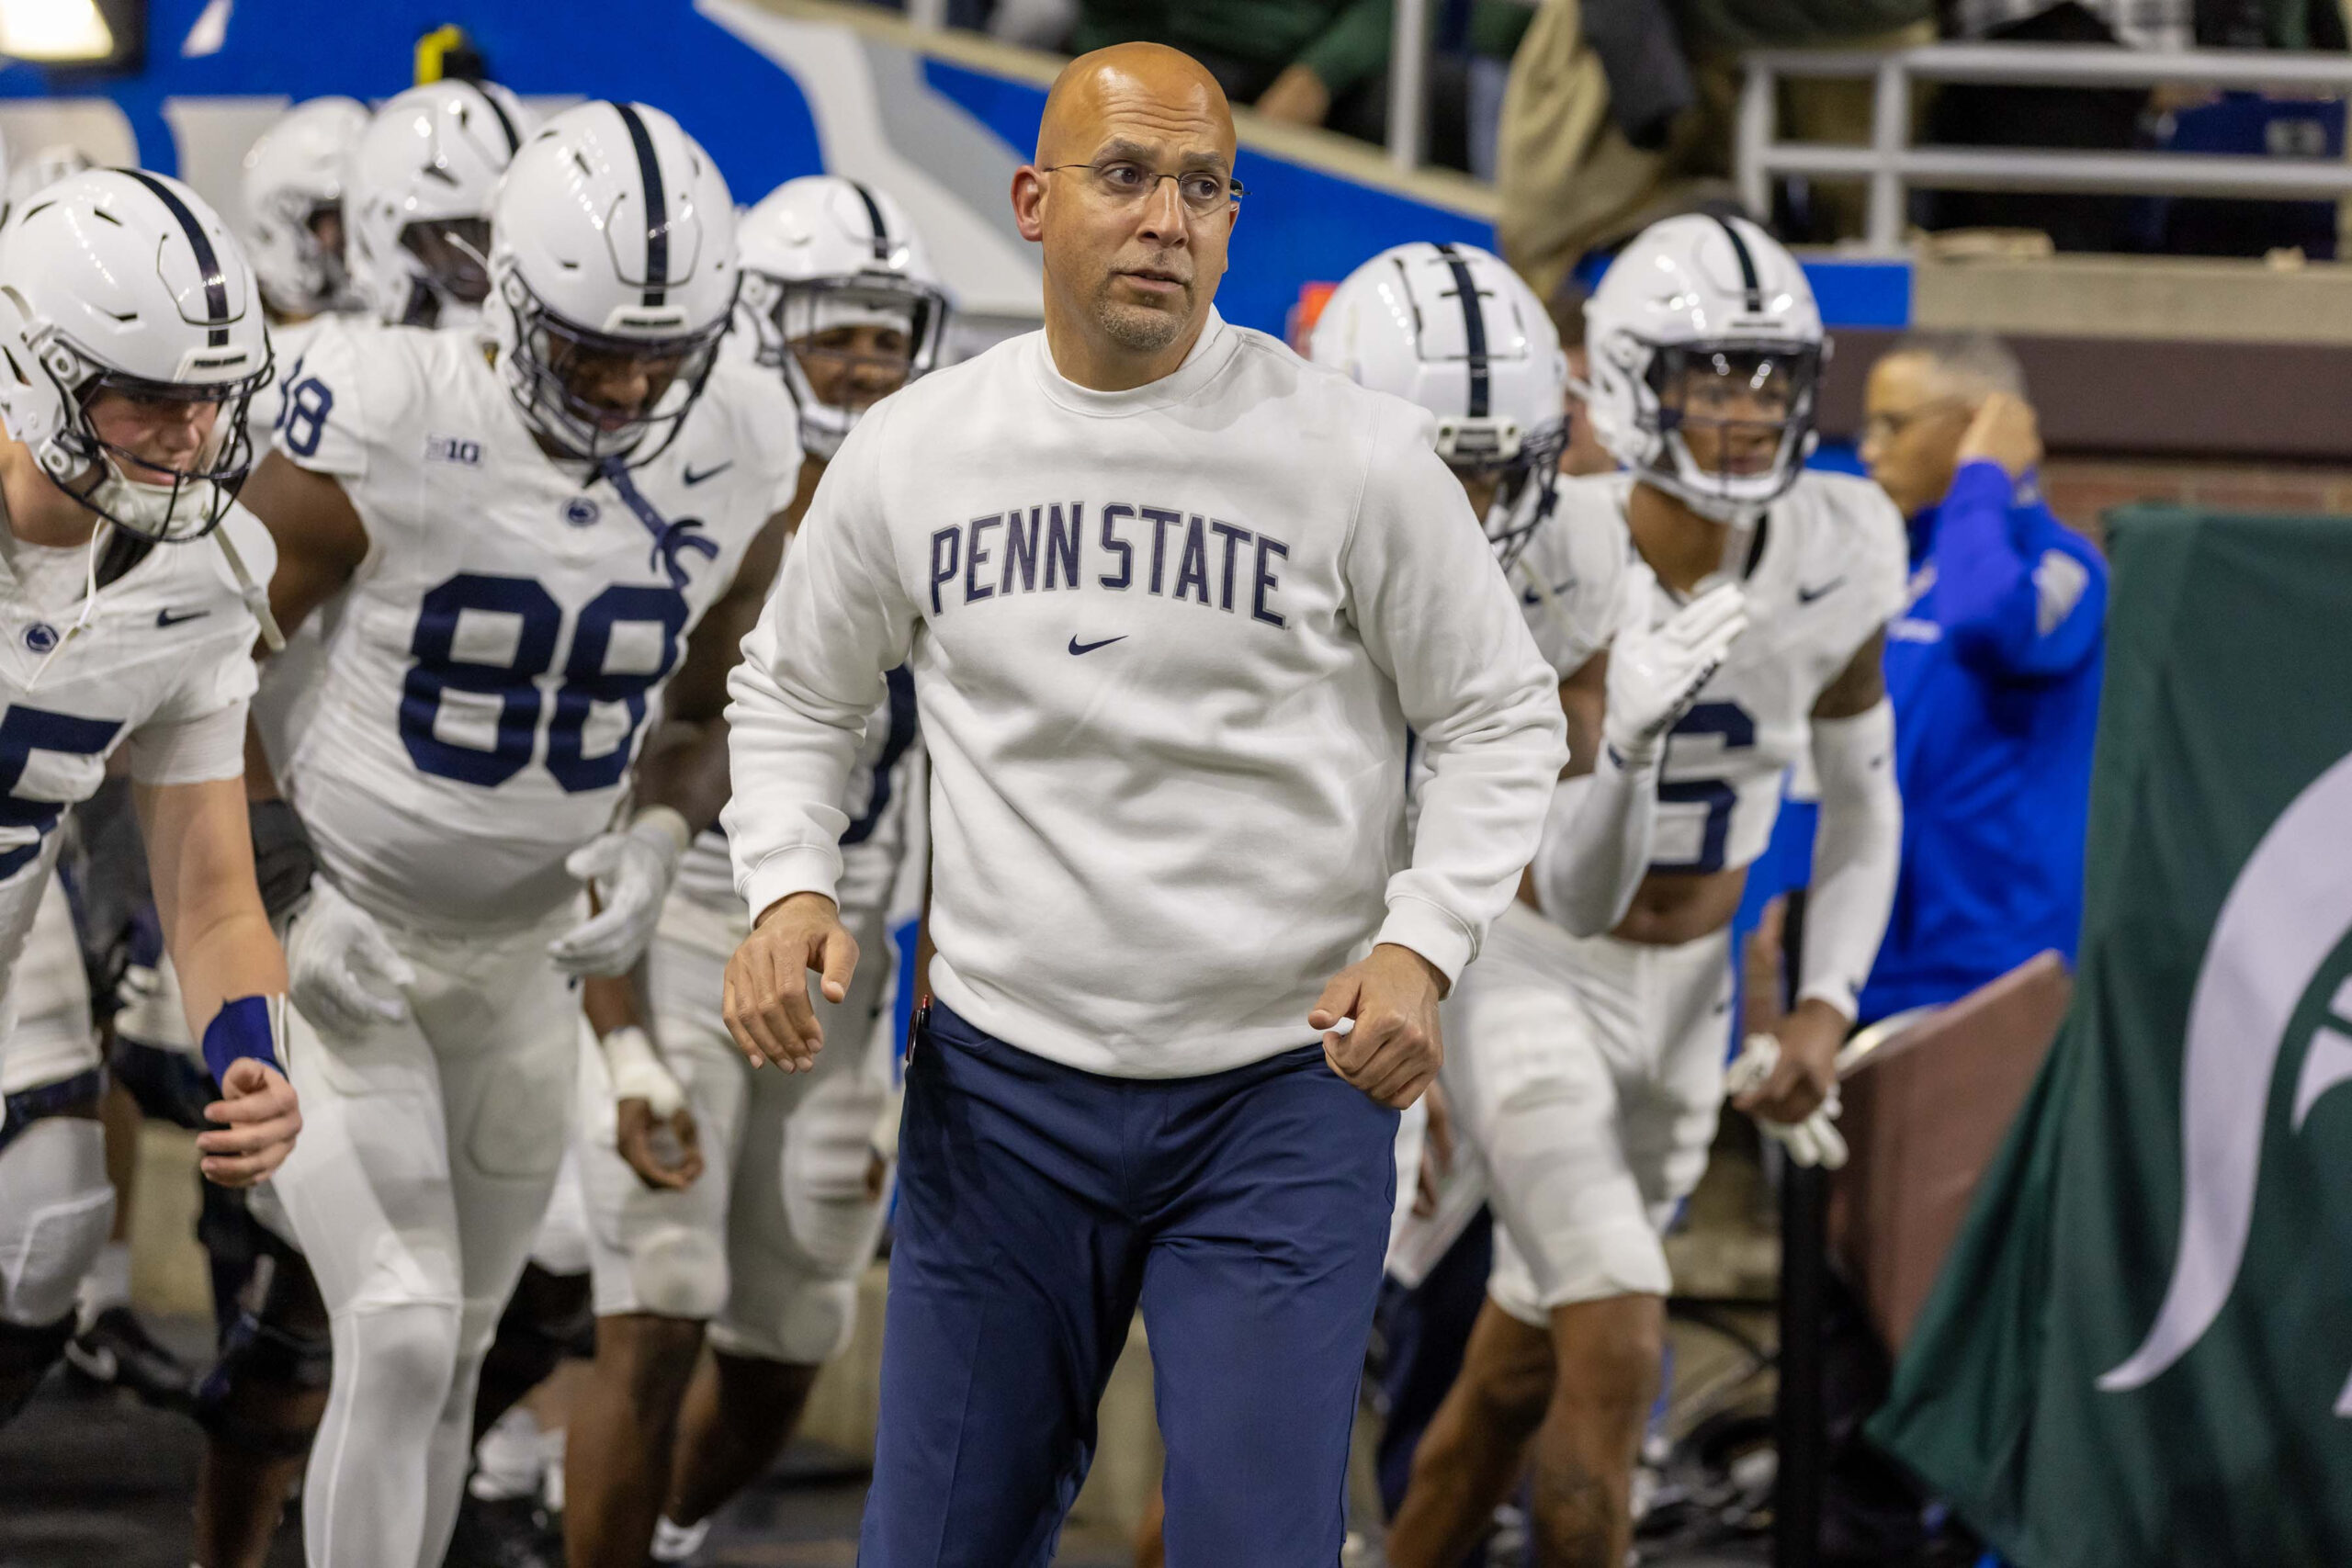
(1893,166)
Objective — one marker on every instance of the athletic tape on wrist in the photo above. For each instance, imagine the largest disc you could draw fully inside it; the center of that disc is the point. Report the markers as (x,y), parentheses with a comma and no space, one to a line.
(639,1073)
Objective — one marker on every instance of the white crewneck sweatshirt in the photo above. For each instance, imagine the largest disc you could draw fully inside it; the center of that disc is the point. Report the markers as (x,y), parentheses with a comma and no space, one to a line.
(1166,646)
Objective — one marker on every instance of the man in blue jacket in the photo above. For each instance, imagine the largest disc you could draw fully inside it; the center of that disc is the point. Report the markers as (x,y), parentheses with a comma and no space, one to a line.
(1994,671)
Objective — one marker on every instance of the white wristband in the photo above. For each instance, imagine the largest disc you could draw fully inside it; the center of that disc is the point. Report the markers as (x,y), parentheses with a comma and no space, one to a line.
(639,1072)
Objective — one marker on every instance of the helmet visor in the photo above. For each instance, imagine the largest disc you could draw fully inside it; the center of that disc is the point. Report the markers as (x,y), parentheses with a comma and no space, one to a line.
(455,254)
(853,341)
(1736,412)
(604,394)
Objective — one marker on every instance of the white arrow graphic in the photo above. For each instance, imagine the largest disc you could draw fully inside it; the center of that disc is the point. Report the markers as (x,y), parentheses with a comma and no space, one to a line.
(2291,906)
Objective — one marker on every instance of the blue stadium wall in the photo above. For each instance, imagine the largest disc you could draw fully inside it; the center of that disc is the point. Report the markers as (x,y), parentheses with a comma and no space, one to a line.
(771,97)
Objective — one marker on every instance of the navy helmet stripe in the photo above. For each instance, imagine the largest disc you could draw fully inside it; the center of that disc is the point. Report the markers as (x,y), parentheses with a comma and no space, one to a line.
(874,212)
(207,260)
(513,140)
(1473,330)
(1753,284)
(656,205)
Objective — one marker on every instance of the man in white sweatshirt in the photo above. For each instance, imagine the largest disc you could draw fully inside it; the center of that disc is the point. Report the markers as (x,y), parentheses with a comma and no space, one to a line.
(1171,598)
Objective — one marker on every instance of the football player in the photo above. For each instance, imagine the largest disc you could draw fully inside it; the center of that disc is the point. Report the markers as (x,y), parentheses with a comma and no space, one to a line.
(130,341)
(295,181)
(1589,1060)
(765,1247)
(417,215)
(541,536)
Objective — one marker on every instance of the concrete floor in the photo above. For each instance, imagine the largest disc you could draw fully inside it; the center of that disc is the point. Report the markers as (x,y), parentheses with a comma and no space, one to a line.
(101,1482)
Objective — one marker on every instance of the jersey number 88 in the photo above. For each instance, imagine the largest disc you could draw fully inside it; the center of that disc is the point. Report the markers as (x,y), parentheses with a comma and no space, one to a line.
(517,683)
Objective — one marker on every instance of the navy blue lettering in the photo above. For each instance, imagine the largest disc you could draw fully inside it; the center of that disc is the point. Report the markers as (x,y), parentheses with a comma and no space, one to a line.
(1062,545)
(586,682)
(975,556)
(1020,550)
(24,731)
(514,684)
(1125,551)
(952,540)
(1194,566)
(1160,519)
(1233,538)
(1266,580)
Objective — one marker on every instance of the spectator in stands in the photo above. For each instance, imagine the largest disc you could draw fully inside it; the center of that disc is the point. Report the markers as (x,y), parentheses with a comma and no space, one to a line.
(1992,114)
(1994,671)
(1619,112)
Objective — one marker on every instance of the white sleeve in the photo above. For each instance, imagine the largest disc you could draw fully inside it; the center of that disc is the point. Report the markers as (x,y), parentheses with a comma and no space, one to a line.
(1857,854)
(1437,617)
(1597,843)
(191,751)
(359,389)
(812,671)
(1570,578)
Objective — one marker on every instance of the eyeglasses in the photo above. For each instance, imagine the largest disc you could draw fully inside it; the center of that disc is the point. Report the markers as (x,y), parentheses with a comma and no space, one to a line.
(1887,426)
(1124,182)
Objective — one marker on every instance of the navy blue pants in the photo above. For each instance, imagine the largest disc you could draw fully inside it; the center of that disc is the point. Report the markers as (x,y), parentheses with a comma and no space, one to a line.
(1246,1211)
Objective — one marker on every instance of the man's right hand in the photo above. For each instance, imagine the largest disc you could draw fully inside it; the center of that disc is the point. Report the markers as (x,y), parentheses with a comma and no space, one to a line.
(2005,431)
(343,974)
(767,1005)
(256,1120)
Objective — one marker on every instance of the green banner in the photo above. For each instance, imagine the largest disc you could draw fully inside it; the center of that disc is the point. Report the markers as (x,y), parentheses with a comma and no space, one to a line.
(2140,1351)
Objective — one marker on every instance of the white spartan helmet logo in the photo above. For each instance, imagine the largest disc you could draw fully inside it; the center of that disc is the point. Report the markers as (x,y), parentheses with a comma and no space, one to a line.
(2288,910)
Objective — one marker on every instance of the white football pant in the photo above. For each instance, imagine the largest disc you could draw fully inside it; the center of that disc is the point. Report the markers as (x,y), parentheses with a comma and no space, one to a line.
(1586,1072)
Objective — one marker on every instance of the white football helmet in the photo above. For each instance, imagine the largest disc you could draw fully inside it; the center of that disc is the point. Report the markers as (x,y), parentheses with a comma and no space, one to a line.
(1706,324)
(416,209)
(822,256)
(294,181)
(117,280)
(614,259)
(1454,329)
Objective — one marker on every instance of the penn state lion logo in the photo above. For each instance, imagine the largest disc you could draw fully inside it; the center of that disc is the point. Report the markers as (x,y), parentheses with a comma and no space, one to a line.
(2288,910)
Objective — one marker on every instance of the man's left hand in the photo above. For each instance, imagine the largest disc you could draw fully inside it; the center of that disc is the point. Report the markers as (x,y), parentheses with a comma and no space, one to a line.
(1808,1066)
(1393,1050)
(257,1118)
(2005,431)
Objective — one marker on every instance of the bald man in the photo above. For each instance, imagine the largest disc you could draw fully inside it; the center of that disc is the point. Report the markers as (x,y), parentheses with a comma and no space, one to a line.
(1173,599)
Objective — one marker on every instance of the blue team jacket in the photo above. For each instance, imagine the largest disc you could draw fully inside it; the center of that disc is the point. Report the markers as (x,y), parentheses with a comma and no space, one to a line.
(1995,672)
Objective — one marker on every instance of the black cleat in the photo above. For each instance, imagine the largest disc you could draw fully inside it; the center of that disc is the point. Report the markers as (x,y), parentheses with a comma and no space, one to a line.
(116,1351)
(513,1532)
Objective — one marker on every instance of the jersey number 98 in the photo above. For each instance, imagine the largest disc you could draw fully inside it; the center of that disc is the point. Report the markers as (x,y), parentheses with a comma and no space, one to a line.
(516,684)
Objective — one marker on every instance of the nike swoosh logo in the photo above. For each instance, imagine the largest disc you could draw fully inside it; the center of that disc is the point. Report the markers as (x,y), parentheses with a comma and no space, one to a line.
(692,478)
(1531,596)
(166,618)
(1807,595)
(1078,646)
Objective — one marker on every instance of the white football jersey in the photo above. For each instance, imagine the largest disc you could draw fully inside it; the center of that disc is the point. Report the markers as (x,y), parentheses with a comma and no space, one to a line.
(46,1034)
(1827,569)
(167,643)
(289,341)
(882,791)
(1569,583)
(502,648)
(289,697)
